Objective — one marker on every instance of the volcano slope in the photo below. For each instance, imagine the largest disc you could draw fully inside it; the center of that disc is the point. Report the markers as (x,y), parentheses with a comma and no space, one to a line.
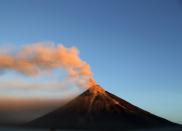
(98,109)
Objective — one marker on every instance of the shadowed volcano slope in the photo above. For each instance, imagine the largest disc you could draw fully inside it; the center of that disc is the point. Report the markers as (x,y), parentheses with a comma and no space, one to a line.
(98,109)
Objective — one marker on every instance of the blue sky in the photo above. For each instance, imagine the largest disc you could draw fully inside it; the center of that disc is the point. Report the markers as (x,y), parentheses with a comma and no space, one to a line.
(134,47)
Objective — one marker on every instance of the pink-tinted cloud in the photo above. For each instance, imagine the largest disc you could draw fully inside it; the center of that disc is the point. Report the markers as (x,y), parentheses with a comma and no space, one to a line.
(34,59)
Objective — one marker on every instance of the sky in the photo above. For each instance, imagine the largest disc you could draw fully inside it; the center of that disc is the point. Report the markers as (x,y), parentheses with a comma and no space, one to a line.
(134,47)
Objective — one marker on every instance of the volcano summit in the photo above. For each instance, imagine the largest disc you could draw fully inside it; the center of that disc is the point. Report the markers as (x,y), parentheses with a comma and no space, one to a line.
(98,109)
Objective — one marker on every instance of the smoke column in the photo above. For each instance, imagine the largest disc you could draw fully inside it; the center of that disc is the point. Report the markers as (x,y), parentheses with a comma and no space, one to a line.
(32,60)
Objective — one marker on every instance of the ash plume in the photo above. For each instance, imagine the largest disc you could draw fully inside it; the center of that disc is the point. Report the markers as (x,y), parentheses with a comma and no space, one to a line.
(32,60)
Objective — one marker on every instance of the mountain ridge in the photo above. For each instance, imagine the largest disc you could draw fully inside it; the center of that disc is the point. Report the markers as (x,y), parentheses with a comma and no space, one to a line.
(98,109)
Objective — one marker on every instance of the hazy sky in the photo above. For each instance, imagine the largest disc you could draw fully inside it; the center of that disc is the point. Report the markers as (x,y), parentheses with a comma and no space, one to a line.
(134,47)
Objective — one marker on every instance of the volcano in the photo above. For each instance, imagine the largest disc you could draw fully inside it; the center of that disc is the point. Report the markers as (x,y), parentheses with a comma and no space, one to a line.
(98,109)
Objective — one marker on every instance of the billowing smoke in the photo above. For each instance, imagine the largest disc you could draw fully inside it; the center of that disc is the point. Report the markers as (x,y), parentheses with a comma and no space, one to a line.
(32,60)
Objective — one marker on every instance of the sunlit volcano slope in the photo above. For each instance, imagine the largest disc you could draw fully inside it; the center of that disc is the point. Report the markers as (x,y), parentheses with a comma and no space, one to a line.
(99,109)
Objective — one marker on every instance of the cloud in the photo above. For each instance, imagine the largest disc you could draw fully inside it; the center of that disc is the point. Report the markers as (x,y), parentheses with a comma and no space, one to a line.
(34,59)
